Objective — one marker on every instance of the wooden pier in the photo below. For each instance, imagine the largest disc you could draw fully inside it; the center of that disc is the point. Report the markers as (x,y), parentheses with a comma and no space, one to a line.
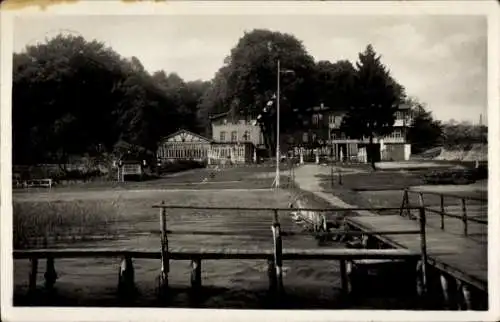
(460,259)
(274,256)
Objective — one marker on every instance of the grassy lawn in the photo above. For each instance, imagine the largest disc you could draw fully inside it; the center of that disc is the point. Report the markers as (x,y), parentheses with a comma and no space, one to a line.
(226,178)
(385,189)
(82,212)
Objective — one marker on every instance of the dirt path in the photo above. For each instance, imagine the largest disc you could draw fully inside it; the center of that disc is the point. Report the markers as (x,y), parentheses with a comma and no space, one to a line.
(307,178)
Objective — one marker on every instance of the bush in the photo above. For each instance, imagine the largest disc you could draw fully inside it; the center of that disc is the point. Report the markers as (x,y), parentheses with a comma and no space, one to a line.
(180,165)
(74,175)
(451,176)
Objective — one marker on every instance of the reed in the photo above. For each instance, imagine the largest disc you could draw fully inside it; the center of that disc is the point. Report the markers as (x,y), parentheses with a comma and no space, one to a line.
(41,223)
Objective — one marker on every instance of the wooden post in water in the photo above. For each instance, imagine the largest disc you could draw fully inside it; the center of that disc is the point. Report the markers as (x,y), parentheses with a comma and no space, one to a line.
(442,212)
(423,245)
(33,274)
(467,297)
(50,274)
(464,216)
(404,202)
(164,250)
(278,262)
(331,176)
(344,278)
(445,287)
(271,274)
(126,278)
(196,274)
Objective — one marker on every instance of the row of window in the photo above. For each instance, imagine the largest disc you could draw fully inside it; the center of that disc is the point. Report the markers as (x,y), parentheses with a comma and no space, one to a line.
(397,134)
(183,152)
(227,152)
(234,136)
(337,119)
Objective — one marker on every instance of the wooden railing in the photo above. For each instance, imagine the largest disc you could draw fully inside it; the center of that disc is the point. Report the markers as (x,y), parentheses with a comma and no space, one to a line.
(274,256)
(406,207)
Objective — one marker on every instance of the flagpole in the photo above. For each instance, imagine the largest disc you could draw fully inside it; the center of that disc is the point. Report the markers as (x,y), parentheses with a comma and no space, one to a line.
(277,180)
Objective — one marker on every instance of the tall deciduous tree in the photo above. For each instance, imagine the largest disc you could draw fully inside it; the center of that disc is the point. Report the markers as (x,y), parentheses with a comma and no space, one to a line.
(249,79)
(373,107)
(334,83)
(75,97)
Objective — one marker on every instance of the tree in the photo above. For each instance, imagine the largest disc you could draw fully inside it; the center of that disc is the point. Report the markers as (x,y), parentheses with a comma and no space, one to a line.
(248,80)
(464,134)
(334,83)
(424,132)
(58,89)
(377,96)
(73,97)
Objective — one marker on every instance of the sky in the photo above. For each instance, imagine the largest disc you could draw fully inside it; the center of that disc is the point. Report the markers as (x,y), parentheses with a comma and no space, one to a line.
(441,60)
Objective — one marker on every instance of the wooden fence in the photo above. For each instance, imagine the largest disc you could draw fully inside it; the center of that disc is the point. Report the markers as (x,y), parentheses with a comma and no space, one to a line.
(274,255)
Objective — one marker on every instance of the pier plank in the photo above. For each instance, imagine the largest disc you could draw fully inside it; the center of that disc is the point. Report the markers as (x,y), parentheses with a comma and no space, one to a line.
(462,257)
(184,253)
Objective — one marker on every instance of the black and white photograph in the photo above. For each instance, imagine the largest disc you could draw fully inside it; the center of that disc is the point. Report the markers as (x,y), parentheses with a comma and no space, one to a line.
(295,158)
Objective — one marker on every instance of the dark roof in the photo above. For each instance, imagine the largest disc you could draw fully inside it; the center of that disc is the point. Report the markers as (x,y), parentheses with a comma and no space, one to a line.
(218,116)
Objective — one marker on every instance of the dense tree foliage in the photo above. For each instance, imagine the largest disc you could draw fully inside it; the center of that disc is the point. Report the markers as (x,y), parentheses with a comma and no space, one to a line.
(464,134)
(375,100)
(424,132)
(248,80)
(77,97)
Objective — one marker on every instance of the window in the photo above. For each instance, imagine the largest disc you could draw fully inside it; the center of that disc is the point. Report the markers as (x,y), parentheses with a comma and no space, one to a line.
(246,136)
(234,136)
(315,119)
(222,136)
(304,137)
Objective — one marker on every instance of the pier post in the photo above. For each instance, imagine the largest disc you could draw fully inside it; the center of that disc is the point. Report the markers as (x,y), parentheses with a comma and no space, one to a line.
(271,274)
(467,297)
(126,278)
(331,176)
(464,296)
(277,254)
(344,277)
(50,274)
(445,287)
(196,274)
(404,203)
(164,250)
(442,212)
(464,216)
(33,275)
(423,245)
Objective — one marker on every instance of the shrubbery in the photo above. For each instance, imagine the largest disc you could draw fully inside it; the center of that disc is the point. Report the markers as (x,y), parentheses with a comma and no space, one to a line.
(457,175)
(180,165)
(57,174)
